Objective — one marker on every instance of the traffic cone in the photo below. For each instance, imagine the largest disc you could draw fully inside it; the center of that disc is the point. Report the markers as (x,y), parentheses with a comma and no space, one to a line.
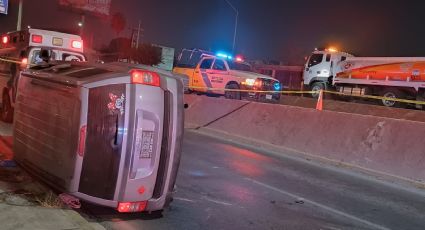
(319,105)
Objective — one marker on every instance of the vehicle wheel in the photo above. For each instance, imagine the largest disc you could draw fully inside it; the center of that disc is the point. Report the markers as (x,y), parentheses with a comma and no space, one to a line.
(316,87)
(232,94)
(7,109)
(392,93)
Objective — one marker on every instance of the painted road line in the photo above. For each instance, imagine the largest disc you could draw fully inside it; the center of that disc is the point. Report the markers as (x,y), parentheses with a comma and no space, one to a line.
(324,207)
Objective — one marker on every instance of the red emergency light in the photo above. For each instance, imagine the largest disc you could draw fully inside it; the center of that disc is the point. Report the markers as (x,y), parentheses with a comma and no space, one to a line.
(239,59)
(5,39)
(145,77)
(77,44)
(37,38)
(132,206)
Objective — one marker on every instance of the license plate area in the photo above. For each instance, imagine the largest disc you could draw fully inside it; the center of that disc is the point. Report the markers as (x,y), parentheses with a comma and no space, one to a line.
(147,144)
(269,96)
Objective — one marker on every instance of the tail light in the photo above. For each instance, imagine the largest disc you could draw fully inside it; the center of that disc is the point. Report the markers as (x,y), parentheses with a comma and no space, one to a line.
(82,142)
(145,77)
(77,44)
(37,38)
(5,39)
(132,206)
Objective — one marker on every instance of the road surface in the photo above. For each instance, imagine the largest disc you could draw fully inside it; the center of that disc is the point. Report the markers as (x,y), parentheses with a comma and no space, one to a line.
(222,185)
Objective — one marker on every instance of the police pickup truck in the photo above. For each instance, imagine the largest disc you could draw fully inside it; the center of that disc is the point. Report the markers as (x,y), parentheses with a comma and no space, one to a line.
(223,75)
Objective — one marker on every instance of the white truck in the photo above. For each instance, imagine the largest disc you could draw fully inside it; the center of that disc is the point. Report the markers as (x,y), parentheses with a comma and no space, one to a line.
(212,74)
(22,49)
(390,77)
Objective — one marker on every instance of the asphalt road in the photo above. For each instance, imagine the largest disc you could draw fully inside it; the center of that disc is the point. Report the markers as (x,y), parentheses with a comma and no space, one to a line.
(222,185)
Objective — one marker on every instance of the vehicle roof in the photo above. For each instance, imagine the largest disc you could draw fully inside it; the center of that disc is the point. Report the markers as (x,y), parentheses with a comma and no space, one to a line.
(79,73)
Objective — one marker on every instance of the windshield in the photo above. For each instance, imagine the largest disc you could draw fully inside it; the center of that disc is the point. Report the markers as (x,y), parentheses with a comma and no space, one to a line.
(240,66)
(315,59)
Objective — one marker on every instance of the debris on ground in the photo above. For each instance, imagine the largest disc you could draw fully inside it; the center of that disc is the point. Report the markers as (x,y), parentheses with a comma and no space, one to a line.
(69,200)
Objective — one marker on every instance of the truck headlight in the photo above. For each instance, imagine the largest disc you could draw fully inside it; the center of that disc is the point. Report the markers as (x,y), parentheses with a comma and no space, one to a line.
(250,82)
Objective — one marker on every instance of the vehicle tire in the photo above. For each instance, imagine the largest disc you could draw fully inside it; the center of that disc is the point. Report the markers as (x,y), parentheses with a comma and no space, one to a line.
(232,94)
(7,109)
(392,93)
(316,87)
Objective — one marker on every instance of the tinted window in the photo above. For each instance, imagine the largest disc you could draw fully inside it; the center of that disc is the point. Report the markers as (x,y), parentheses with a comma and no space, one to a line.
(315,59)
(219,65)
(206,64)
(343,58)
(71,57)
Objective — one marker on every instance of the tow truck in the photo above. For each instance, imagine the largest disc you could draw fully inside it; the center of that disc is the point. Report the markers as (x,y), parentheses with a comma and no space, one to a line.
(389,77)
(22,49)
(221,74)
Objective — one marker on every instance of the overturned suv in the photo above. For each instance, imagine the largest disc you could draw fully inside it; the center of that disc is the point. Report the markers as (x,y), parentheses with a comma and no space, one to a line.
(109,134)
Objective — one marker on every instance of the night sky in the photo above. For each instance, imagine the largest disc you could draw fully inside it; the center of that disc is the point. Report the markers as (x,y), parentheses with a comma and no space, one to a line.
(268,29)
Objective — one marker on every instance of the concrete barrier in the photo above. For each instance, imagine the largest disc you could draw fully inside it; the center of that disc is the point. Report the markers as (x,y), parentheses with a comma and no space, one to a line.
(203,110)
(385,145)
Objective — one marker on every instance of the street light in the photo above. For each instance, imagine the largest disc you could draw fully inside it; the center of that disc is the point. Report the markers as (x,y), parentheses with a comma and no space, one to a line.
(236,24)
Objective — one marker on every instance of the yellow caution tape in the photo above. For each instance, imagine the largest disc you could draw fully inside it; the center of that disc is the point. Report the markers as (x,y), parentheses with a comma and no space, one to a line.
(250,90)
(11,60)
(378,98)
(311,92)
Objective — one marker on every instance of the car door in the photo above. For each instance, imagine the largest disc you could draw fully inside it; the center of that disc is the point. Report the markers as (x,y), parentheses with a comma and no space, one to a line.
(218,75)
(200,76)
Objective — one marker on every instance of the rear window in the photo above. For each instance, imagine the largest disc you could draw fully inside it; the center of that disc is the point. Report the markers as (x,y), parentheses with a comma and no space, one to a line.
(73,70)
(88,73)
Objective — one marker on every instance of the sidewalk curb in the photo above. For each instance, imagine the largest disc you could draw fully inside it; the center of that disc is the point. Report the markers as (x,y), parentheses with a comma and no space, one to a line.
(83,223)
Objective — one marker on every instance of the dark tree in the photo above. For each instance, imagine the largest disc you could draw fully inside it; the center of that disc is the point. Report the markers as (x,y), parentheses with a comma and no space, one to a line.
(118,22)
(120,48)
(147,54)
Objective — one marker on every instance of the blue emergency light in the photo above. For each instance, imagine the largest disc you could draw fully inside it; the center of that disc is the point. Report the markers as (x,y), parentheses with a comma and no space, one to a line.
(223,55)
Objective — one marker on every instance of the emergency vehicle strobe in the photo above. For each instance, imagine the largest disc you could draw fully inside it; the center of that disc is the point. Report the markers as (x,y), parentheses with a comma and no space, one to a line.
(22,49)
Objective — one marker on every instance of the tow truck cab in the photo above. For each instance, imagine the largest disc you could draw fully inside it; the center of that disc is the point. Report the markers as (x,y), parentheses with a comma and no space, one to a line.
(321,67)
(21,49)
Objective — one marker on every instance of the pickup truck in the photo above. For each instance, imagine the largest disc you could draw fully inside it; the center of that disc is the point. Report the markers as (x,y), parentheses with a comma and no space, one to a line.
(213,75)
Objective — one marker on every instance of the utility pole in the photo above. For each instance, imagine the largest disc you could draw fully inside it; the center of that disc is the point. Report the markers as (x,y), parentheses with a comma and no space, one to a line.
(19,24)
(135,37)
(138,34)
(236,24)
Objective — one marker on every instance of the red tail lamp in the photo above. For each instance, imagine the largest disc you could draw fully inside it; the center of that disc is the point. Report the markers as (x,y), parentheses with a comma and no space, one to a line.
(145,77)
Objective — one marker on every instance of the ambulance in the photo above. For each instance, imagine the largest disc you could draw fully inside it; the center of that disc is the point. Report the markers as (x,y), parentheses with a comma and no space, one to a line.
(22,49)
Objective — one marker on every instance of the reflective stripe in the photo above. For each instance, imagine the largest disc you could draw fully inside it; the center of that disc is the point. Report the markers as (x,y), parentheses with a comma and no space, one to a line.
(206,80)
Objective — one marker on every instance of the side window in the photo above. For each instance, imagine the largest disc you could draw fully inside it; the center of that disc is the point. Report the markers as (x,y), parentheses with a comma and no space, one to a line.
(328,57)
(206,64)
(35,57)
(219,65)
(343,58)
(71,57)
(315,59)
